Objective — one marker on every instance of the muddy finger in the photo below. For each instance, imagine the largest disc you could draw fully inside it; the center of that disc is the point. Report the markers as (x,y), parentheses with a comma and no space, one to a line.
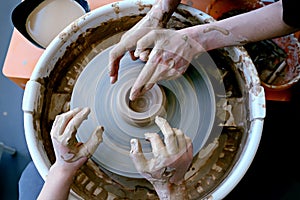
(137,155)
(138,86)
(170,137)
(68,136)
(61,121)
(181,139)
(158,147)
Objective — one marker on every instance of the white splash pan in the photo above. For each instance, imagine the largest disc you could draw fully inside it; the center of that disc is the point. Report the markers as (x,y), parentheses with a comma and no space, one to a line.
(34,89)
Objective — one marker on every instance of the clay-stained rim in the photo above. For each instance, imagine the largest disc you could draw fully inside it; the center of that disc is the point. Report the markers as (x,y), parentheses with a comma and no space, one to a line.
(32,94)
(257,109)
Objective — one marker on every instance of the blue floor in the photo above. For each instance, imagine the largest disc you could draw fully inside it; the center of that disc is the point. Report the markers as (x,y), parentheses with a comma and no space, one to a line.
(11,116)
(273,175)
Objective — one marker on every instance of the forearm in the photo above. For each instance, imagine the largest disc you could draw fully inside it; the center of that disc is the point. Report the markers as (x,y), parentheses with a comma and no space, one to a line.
(163,10)
(260,24)
(167,5)
(168,191)
(57,184)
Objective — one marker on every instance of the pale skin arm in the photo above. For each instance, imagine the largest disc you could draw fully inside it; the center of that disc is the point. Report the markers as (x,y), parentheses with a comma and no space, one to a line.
(174,50)
(70,154)
(58,182)
(260,24)
(171,160)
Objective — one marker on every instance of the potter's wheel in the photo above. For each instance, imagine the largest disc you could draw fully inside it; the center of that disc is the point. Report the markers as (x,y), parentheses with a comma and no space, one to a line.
(73,72)
(187,103)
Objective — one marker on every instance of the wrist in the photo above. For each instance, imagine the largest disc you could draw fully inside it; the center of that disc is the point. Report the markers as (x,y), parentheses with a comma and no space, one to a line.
(162,10)
(167,5)
(57,184)
(62,172)
(170,191)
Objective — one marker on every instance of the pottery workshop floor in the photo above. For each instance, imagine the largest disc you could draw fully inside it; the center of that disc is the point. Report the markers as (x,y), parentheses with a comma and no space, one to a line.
(274,173)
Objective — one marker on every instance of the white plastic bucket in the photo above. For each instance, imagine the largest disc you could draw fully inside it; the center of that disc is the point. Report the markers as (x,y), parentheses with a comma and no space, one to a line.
(49,90)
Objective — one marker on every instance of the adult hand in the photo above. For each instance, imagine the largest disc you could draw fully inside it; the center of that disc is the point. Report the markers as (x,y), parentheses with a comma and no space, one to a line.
(156,18)
(170,57)
(128,42)
(67,149)
(170,162)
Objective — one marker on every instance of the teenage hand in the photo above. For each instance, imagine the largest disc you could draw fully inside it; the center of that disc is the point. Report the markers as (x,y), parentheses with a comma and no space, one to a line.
(67,149)
(170,57)
(170,161)
(70,154)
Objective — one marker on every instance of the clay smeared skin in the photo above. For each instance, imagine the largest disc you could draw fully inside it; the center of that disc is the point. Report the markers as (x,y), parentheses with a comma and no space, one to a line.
(216,28)
(239,40)
(64,130)
(171,160)
(156,18)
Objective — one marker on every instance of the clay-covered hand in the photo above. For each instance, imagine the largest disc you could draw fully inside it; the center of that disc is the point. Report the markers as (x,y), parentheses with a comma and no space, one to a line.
(170,57)
(170,161)
(70,154)
(64,129)
(128,42)
(156,18)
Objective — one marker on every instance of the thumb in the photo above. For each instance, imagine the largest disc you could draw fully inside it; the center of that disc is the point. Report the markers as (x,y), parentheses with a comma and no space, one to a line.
(80,162)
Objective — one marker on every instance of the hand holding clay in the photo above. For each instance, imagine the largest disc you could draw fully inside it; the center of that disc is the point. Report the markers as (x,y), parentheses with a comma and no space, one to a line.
(63,134)
(171,160)
(170,57)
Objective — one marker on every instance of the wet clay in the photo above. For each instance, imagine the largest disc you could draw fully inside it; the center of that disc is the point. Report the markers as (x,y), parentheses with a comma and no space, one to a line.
(216,28)
(209,166)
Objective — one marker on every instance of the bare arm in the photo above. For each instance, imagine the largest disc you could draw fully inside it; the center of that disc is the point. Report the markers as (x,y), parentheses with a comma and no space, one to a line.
(260,24)
(58,182)
(167,8)
(70,154)
(174,50)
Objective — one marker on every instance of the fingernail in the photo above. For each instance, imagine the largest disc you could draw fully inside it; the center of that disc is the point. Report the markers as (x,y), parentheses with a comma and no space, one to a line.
(144,56)
(133,144)
(86,110)
(149,136)
(137,52)
(112,79)
(133,95)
